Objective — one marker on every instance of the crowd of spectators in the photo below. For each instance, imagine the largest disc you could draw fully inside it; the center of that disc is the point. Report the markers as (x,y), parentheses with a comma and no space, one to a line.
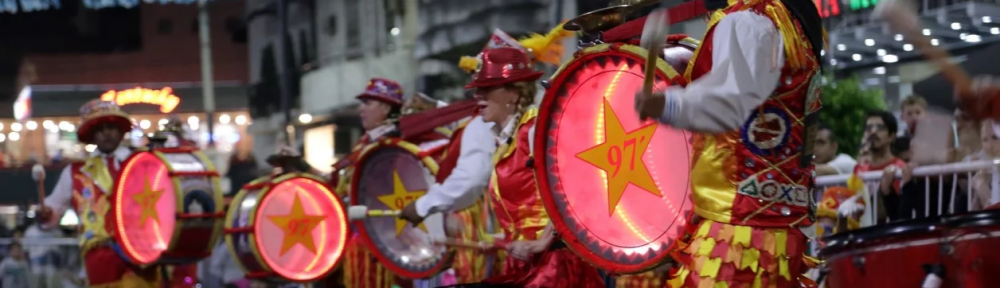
(886,146)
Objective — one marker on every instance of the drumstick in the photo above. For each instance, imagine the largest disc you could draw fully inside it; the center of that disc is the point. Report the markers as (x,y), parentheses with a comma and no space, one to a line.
(901,17)
(359,212)
(38,173)
(654,34)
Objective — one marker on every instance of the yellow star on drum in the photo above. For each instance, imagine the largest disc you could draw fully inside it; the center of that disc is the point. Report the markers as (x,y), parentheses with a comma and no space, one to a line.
(297,227)
(620,156)
(147,200)
(399,198)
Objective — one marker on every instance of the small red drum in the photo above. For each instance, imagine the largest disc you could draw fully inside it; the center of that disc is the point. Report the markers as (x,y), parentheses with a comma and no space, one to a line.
(961,251)
(166,207)
(389,175)
(289,228)
(615,187)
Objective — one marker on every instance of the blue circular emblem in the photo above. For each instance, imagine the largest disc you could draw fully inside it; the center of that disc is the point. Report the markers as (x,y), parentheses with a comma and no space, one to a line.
(766,131)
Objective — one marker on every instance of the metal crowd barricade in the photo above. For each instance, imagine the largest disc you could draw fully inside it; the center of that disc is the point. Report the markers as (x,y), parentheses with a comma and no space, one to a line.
(950,171)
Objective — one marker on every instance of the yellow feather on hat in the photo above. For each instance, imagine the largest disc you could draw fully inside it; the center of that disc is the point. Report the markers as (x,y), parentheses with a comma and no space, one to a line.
(547,48)
(468,64)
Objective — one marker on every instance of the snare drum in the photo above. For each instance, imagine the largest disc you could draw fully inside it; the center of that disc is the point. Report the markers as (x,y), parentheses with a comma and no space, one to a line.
(390,174)
(166,207)
(902,254)
(289,228)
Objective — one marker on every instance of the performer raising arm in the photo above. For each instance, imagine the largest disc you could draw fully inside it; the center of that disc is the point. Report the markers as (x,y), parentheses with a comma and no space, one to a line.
(753,97)
(85,186)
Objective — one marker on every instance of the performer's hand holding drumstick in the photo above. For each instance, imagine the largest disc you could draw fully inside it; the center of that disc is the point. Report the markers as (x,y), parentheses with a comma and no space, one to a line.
(38,174)
(654,35)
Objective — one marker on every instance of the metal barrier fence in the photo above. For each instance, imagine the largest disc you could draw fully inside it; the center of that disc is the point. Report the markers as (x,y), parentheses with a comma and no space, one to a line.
(949,183)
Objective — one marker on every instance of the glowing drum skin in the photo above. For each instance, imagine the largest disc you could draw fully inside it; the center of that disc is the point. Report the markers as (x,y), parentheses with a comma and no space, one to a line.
(615,187)
(286,229)
(166,207)
(391,174)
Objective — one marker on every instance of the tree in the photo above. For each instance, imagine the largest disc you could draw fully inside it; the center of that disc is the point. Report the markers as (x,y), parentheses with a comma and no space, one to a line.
(845,105)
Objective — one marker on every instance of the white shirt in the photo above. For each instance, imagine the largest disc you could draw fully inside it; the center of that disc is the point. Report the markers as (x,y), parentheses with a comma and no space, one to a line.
(471,173)
(747,57)
(379,131)
(62,194)
(843,163)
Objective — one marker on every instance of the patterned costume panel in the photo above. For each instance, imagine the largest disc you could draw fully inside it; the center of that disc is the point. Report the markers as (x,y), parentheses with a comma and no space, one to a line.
(750,188)
(519,211)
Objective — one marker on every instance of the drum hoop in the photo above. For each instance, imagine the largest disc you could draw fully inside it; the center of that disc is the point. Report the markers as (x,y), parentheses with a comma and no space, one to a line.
(841,253)
(116,205)
(568,236)
(231,216)
(253,215)
(844,241)
(431,165)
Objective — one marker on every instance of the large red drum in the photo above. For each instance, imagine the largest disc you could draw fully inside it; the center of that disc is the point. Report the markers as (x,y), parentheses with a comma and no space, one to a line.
(166,207)
(616,187)
(389,175)
(961,250)
(289,228)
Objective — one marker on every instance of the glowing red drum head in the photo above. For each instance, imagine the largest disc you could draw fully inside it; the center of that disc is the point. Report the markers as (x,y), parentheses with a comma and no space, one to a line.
(166,207)
(615,187)
(391,174)
(289,228)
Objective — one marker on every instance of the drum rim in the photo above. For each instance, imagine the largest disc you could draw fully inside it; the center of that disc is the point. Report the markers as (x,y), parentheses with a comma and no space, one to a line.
(230,217)
(119,230)
(431,165)
(256,251)
(568,236)
(865,237)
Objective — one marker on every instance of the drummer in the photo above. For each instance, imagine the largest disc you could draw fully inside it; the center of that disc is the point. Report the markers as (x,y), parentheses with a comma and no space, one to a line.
(505,86)
(381,104)
(84,186)
(752,98)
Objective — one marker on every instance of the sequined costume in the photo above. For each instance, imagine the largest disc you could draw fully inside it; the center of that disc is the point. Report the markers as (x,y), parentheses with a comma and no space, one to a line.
(84,187)
(752,169)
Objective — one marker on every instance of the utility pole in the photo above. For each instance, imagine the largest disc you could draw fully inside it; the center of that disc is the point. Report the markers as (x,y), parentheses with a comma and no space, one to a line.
(207,79)
(283,72)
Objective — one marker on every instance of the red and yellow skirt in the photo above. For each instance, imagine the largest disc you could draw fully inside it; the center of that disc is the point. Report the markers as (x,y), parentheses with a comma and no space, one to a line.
(649,279)
(361,270)
(725,255)
(105,269)
(556,268)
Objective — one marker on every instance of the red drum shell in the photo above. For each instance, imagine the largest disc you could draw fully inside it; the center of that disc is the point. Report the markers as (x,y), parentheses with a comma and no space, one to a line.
(895,255)
(182,187)
(259,244)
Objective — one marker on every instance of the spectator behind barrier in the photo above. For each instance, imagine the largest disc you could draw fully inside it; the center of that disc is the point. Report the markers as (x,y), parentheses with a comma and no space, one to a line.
(828,159)
(878,138)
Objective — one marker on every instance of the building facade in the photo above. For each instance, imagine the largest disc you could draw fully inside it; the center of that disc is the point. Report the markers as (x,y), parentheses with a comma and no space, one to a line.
(167,64)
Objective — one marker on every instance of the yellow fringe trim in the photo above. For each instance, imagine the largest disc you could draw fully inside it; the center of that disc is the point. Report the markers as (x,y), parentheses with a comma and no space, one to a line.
(797,46)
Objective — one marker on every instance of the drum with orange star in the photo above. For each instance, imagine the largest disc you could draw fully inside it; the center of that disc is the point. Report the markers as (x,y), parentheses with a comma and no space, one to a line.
(289,228)
(615,186)
(167,207)
(391,174)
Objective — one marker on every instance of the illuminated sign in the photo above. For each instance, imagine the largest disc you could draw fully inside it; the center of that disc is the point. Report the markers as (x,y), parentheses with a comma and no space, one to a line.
(829,8)
(22,106)
(165,97)
(862,4)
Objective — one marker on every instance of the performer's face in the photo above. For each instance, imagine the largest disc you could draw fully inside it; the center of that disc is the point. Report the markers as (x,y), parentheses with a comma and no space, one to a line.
(497,103)
(373,113)
(107,137)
